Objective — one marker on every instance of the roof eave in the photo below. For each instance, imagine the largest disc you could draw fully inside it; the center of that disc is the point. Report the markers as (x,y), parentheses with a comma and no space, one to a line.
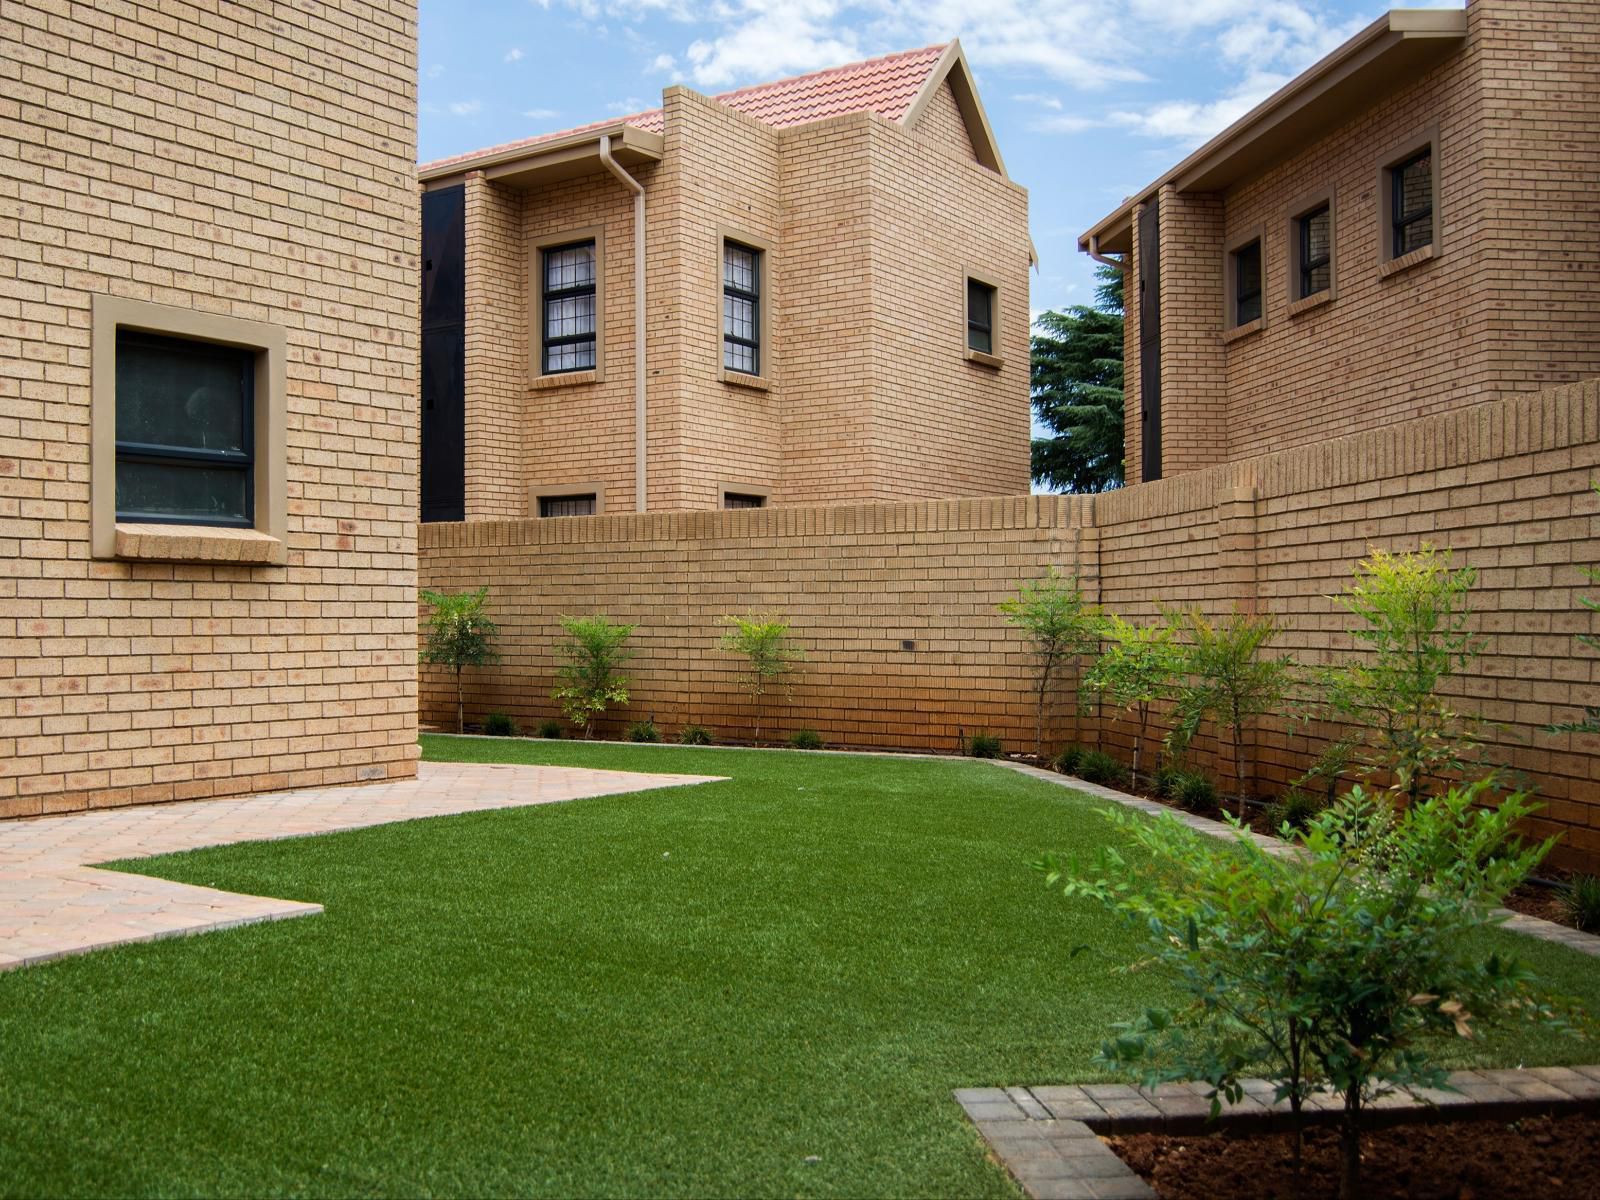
(561,157)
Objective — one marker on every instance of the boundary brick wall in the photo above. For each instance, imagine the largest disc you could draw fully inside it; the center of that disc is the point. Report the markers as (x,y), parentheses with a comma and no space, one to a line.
(1505,484)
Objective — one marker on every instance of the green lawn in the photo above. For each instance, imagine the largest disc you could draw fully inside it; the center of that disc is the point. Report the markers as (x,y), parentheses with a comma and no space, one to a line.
(695,991)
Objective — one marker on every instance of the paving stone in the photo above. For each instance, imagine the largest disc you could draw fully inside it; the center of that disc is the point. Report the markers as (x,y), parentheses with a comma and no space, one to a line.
(1031,1108)
(1111,1091)
(1001,1110)
(979,1095)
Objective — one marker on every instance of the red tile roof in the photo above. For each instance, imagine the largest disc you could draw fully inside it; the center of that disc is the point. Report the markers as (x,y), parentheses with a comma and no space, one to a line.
(885,86)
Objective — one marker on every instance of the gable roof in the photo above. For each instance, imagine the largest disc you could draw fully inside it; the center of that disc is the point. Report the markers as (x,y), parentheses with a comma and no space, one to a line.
(896,87)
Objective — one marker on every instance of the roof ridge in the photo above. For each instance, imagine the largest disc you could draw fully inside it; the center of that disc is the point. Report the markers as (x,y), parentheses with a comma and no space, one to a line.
(825,71)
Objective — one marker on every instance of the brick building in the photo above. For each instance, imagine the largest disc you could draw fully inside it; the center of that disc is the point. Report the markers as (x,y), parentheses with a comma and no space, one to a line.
(208,358)
(1407,228)
(831,272)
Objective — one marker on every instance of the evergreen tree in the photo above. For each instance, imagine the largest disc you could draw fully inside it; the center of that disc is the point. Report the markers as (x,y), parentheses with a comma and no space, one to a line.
(1077,392)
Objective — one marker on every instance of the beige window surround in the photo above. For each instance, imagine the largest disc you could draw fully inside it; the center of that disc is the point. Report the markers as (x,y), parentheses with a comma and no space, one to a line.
(1389,263)
(565,237)
(1230,284)
(565,491)
(768,295)
(1303,207)
(725,490)
(265,544)
(993,360)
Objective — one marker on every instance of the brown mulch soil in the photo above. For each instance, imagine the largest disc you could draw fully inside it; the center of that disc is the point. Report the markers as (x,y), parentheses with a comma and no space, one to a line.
(1542,902)
(1538,1158)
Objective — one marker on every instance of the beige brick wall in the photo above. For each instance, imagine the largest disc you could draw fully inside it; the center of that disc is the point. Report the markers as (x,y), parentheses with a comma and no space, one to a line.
(253,160)
(1505,484)
(497,341)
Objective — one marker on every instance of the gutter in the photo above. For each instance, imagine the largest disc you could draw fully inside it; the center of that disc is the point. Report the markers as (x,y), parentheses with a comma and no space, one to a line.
(1116,264)
(639,441)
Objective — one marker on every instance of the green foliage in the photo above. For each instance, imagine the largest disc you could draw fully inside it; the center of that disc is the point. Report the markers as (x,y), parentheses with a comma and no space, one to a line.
(696,735)
(1326,774)
(769,656)
(1341,965)
(644,731)
(1229,678)
(1059,626)
(1166,779)
(1137,667)
(550,729)
(805,739)
(459,634)
(1193,792)
(984,745)
(1077,388)
(1096,766)
(1413,611)
(588,676)
(1295,808)
(1590,721)
(1067,761)
(1581,902)
(498,724)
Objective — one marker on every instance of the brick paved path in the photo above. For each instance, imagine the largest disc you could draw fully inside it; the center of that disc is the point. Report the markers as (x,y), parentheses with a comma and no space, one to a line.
(53,902)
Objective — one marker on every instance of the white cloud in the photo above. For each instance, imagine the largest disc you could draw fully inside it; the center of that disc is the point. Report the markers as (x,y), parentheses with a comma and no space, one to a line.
(626,106)
(1035,100)
(436,70)
(664,63)
(514,54)
(1191,122)
(465,108)
(540,114)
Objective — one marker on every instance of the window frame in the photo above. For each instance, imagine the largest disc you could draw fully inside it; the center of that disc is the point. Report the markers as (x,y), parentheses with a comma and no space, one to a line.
(766,297)
(991,357)
(1306,206)
(745,490)
(539,493)
(556,240)
(259,543)
(1232,327)
(1402,154)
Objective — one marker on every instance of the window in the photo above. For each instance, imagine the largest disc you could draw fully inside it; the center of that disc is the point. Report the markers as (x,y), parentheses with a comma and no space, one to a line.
(741,308)
(1315,251)
(980,316)
(185,431)
(568,506)
(743,500)
(569,330)
(1411,203)
(1245,265)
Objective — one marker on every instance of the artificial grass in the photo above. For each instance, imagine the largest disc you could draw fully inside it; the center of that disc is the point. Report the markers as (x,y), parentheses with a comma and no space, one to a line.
(762,986)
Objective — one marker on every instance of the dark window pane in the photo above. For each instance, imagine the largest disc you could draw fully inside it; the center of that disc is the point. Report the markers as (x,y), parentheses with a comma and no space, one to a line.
(1412,203)
(1317,279)
(737,500)
(1316,252)
(739,318)
(566,506)
(741,308)
(569,267)
(1247,283)
(980,317)
(182,394)
(569,316)
(739,358)
(569,308)
(199,494)
(1414,236)
(739,267)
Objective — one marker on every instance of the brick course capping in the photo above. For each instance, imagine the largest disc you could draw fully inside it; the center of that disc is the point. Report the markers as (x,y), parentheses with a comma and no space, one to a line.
(1504,483)
(1048,1138)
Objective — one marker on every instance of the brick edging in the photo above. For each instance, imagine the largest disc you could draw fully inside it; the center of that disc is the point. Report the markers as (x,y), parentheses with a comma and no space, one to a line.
(1534,927)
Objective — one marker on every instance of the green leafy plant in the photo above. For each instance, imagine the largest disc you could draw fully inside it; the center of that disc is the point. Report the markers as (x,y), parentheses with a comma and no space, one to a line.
(644,731)
(1413,611)
(1590,721)
(1295,808)
(984,745)
(1229,678)
(1137,667)
(1166,779)
(498,724)
(588,673)
(1067,761)
(695,735)
(1193,792)
(805,739)
(1096,766)
(459,634)
(1581,902)
(550,729)
(1059,626)
(1342,965)
(1326,773)
(770,657)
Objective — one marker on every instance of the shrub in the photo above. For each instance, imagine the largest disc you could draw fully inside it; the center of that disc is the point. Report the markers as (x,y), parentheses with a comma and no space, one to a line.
(1582,903)
(695,735)
(984,745)
(498,724)
(1136,669)
(459,635)
(1165,780)
(1096,766)
(644,731)
(549,729)
(805,739)
(589,658)
(770,656)
(1193,792)
(1294,808)
(1067,761)
(1342,965)
(1059,626)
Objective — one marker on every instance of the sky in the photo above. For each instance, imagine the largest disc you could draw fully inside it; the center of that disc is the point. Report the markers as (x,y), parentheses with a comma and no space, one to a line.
(1089,99)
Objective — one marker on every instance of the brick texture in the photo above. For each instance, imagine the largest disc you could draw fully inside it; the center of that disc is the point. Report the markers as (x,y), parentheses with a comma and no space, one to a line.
(254,160)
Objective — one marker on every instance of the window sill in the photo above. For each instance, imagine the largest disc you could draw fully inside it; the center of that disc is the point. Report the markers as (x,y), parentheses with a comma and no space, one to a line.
(992,361)
(1406,261)
(756,383)
(566,379)
(1307,303)
(1243,331)
(199,543)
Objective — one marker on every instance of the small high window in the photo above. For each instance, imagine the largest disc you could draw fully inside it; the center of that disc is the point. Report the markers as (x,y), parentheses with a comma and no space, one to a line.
(567,506)
(980,316)
(741,308)
(1246,283)
(568,274)
(743,500)
(1315,251)
(1411,203)
(185,422)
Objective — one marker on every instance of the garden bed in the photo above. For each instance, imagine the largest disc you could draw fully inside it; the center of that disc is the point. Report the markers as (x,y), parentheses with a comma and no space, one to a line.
(1536,1158)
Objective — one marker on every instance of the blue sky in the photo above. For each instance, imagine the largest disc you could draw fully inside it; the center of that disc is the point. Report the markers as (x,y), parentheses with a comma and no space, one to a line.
(1090,99)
